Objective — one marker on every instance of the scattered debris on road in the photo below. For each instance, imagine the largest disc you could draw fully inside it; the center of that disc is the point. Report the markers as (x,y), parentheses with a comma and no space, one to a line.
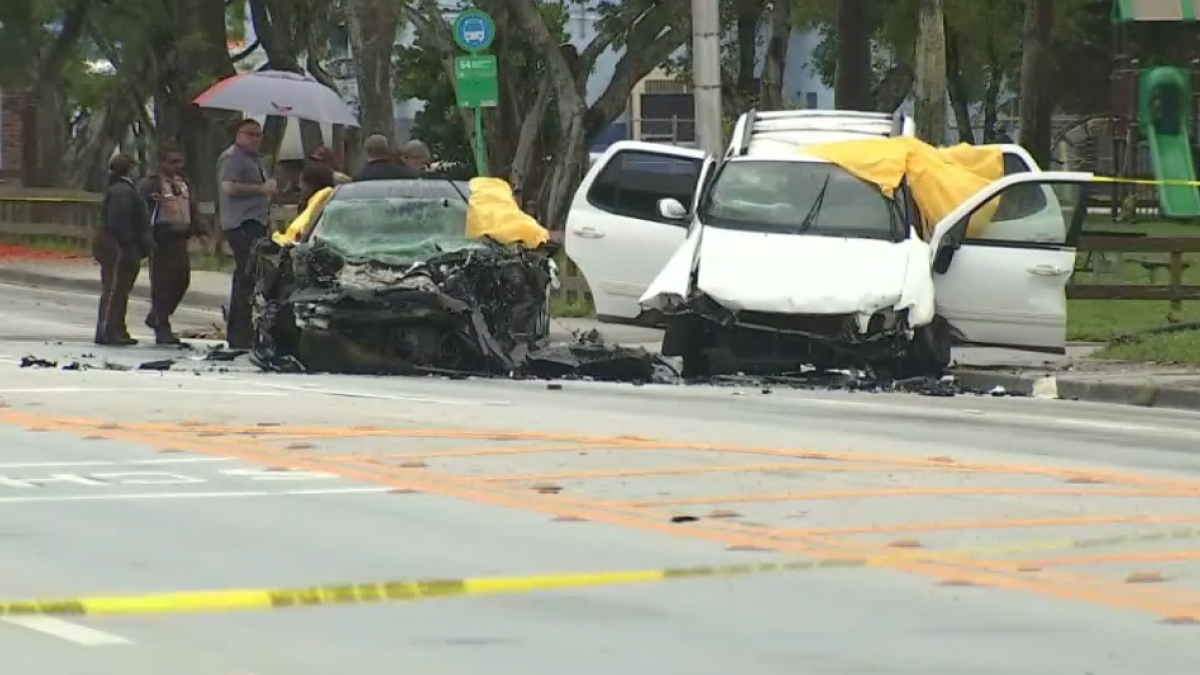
(35,362)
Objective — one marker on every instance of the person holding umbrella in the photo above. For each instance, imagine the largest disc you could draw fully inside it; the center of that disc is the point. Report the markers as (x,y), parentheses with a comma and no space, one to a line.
(120,245)
(245,204)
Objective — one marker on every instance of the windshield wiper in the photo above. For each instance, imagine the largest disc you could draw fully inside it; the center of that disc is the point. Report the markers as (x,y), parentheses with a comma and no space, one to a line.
(810,218)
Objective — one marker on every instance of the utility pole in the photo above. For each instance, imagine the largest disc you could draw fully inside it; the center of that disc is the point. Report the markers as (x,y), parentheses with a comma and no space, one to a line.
(706,72)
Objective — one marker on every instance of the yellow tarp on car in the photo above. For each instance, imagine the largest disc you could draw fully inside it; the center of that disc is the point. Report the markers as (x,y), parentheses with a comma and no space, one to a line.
(300,223)
(940,178)
(492,211)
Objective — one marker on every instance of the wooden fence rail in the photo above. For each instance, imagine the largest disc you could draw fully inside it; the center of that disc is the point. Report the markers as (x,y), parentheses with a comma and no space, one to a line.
(1174,290)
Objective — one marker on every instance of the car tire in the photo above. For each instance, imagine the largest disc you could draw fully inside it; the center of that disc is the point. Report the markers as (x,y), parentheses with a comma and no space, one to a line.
(929,353)
(691,335)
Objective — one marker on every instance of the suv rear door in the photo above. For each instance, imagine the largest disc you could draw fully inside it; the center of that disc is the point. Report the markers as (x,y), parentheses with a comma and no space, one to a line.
(1002,281)
(614,232)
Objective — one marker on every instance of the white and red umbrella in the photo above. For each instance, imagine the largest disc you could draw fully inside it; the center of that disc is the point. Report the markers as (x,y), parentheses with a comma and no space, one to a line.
(277,92)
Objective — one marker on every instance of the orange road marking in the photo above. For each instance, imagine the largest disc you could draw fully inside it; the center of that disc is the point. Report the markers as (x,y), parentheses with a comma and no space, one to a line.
(993,524)
(606,512)
(1162,556)
(907,492)
(718,468)
(627,441)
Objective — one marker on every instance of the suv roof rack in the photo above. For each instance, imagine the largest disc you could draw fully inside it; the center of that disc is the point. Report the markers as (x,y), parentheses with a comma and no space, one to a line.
(752,117)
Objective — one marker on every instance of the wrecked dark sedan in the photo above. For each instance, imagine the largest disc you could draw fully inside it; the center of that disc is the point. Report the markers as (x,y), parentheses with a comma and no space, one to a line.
(386,280)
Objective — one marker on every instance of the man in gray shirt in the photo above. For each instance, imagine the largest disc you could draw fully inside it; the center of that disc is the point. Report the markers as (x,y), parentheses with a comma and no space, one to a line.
(245,203)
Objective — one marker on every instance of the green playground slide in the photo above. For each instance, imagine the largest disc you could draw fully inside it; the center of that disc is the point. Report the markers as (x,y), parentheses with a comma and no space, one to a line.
(1165,97)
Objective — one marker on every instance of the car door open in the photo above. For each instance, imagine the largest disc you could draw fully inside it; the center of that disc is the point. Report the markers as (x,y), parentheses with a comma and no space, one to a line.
(616,234)
(1002,260)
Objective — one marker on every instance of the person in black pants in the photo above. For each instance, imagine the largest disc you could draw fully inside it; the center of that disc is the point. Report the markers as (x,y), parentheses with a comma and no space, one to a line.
(245,202)
(174,221)
(120,245)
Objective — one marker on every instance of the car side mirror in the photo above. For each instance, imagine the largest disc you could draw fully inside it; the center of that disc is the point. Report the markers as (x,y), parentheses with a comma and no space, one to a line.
(671,209)
(943,258)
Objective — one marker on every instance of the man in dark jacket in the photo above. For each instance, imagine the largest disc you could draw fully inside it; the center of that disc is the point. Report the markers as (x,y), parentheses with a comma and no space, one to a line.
(381,162)
(174,220)
(120,245)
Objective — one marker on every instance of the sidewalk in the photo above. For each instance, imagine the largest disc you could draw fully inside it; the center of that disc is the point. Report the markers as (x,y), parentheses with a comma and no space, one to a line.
(1071,377)
(208,290)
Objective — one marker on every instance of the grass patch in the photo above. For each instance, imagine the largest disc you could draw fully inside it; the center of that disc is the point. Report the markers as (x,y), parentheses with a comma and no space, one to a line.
(1181,348)
(1102,320)
(578,306)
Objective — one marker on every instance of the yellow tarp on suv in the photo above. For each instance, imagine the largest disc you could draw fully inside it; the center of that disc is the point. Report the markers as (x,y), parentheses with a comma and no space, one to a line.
(940,178)
(492,211)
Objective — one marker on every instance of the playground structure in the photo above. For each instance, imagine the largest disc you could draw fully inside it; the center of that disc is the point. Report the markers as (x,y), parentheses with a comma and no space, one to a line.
(1154,107)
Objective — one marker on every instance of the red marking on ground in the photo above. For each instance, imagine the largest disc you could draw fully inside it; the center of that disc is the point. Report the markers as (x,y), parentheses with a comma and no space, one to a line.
(17,252)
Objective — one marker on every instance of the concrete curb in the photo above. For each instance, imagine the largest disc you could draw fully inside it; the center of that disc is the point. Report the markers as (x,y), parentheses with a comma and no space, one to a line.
(1144,392)
(22,277)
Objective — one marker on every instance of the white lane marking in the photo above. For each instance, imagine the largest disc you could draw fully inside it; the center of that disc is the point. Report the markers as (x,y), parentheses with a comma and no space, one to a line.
(65,630)
(112,462)
(192,495)
(381,397)
(1045,420)
(137,390)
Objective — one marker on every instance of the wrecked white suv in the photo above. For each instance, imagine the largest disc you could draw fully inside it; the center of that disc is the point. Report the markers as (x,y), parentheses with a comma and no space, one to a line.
(770,259)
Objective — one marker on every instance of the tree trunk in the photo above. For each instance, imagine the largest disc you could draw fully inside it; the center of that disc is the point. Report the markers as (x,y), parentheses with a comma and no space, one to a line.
(311,136)
(191,56)
(1036,104)
(931,74)
(771,95)
(373,25)
(894,88)
(748,20)
(991,96)
(272,141)
(852,79)
(48,105)
(527,140)
(572,110)
(958,88)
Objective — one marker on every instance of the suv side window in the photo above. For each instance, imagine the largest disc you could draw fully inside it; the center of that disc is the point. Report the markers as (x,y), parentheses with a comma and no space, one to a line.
(1022,201)
(633,182)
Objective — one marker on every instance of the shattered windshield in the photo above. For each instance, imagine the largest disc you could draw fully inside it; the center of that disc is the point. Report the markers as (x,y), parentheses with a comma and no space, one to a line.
(814,198)
(402,220)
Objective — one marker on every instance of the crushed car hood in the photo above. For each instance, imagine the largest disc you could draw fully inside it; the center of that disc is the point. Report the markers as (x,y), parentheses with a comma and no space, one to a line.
(801,274)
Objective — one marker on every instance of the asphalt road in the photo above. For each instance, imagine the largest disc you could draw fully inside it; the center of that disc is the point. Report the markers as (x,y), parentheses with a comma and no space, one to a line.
(981,514)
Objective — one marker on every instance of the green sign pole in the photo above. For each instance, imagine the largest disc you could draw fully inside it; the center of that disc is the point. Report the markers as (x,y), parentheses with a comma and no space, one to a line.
(476,83)
(480,151)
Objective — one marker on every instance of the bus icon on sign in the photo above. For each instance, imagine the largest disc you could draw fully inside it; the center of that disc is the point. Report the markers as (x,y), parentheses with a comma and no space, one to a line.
(474,31)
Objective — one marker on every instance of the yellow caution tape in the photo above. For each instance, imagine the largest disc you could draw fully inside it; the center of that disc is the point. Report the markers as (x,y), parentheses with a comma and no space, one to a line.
(233,600)
(1145,181)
